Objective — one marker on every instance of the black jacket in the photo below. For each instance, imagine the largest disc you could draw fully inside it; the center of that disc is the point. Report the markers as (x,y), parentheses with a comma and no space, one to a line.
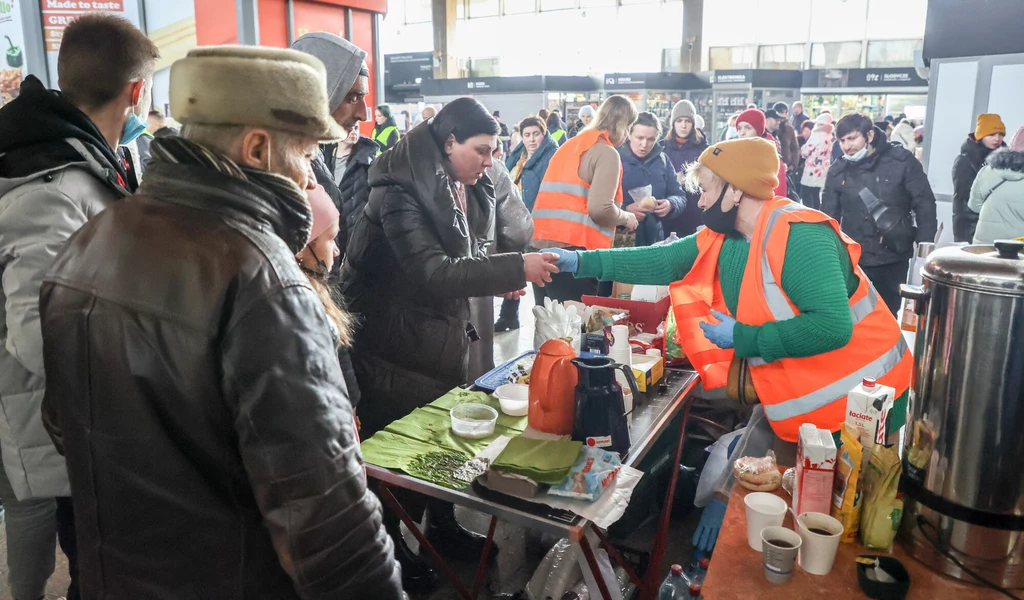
(354,184)
(413,262)
(965,168)
(210,445)
(896,178)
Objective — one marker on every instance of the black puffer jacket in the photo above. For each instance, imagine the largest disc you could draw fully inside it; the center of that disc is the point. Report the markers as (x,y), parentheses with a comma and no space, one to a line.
(355,184)
(965,169)
(413,263)
(896,178)
(195,389)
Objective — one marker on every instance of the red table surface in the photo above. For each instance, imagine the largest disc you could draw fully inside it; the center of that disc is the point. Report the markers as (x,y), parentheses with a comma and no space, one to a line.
(737,572)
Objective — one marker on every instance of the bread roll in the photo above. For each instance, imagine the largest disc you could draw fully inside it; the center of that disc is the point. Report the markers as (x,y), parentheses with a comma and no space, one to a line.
(648,204)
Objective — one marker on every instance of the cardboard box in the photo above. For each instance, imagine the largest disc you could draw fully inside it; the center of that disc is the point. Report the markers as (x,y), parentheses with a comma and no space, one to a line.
(815,469)
(648,371)
(645,315)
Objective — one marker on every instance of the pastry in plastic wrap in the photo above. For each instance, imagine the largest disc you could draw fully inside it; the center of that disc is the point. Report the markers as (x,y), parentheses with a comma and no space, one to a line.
(647,204)
(758,473)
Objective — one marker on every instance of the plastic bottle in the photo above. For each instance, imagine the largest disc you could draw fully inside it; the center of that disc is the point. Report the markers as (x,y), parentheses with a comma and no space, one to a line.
(675,586)
(671,238)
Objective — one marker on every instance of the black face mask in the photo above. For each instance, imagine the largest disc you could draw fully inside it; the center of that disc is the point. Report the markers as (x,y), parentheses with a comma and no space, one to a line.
(718,221)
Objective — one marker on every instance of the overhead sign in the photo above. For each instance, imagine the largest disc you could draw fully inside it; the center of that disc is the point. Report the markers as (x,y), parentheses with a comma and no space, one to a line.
(863,78)
(58,14)
(625,81)
(403,74)
(744,76)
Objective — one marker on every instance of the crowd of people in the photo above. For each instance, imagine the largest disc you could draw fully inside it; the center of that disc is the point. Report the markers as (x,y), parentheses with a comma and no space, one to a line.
(201,323)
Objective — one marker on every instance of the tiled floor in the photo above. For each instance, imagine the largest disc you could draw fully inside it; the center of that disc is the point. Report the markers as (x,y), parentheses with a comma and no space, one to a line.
(519,552)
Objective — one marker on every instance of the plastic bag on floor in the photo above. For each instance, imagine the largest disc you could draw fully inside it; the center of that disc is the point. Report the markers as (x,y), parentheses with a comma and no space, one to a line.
(565,567)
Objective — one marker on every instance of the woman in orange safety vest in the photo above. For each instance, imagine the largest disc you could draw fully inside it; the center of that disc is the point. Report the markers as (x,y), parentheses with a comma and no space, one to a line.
(579,203)
(770,282)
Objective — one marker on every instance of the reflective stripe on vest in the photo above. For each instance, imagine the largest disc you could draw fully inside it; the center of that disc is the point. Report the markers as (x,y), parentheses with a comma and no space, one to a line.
(560,212)
(793,390)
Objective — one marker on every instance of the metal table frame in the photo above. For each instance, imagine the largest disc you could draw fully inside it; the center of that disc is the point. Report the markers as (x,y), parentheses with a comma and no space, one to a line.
(650,420)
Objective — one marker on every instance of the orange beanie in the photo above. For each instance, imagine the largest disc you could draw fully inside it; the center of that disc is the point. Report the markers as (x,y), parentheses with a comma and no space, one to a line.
(750,164)
(988,124)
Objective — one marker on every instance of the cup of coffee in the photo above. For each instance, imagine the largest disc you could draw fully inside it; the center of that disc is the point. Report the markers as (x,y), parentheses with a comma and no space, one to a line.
(780,546)
(763,510)
(820,534)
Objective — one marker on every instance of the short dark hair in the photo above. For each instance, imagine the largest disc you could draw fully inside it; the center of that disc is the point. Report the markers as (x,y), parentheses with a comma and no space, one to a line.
(463,118)
(159,116)
(808,124)
(385,110)
(781,107)
(533,122)
(647,119)
(100,54)
(852,123)
(554,123)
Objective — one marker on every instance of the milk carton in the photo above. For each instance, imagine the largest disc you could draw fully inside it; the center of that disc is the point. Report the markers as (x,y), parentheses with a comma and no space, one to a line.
(867,410)
(815,468)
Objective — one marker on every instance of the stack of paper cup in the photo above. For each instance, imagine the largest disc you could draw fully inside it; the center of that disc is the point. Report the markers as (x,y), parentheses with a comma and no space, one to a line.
(620,351)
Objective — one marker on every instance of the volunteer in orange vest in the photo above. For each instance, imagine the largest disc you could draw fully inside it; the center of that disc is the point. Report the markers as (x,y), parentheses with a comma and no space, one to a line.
(579,204)
(773,283)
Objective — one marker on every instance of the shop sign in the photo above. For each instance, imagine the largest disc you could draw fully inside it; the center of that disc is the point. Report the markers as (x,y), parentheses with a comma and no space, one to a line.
(58,14)
(742,77)
(625,81)
(12,69)
(863,78)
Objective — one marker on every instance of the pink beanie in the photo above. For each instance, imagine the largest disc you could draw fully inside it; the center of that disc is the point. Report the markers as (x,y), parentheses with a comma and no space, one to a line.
(1017,143)
(325,213)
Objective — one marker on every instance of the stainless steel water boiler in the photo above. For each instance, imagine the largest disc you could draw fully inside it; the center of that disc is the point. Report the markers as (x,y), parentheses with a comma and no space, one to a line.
(963,475)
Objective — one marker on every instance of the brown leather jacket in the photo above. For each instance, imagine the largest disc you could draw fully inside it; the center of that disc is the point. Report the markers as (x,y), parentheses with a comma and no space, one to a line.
(194,386)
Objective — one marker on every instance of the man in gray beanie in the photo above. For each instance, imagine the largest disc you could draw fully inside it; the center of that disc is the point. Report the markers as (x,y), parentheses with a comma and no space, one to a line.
(347,87)
(192,374)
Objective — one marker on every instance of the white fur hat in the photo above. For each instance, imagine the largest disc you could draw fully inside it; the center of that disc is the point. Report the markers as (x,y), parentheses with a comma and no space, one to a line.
(256,86)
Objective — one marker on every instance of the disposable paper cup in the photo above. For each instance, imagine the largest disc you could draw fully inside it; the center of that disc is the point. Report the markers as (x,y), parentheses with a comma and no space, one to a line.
(763,510)
(780,546)
(818,551)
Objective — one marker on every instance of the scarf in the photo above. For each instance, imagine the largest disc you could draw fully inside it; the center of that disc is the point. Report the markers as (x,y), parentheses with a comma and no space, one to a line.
(296,217)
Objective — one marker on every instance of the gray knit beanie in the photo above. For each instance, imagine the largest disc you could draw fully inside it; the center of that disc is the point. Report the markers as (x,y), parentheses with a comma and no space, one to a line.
(683,108)
(342,60)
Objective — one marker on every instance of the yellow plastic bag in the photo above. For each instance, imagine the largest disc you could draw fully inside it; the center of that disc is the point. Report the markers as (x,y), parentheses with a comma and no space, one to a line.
(846,497)
(882,510)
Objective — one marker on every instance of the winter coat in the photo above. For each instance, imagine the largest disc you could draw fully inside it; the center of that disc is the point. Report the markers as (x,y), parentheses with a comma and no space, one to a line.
(783,188)
(798,120)
(998,196)
(904,134)
(196,393)
(896,178)
(511,229)
(789,145)
(56,172)
(965,168)
(654,170)
(413,262)
(681,155)
(817,153)
(533,171)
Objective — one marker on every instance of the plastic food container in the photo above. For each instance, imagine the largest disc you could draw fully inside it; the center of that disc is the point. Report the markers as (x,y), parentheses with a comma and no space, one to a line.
(473,421)
(514,399)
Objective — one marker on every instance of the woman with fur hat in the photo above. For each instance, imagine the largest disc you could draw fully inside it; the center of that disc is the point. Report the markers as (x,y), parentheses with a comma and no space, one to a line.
(769,286)
(998,194)
(817,155)
(684,143)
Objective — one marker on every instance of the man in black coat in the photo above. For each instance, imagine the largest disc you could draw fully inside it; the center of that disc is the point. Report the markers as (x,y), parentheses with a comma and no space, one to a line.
(195,388)
(987,136)
(873,172)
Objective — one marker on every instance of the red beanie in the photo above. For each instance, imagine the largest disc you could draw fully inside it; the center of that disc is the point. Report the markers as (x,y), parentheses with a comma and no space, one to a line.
(753,116)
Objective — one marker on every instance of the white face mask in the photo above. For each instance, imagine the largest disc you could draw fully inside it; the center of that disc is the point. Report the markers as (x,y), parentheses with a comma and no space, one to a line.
(858,155)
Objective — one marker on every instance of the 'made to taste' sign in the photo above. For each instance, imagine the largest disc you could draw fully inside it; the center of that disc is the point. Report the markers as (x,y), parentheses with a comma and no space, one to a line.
(58,14)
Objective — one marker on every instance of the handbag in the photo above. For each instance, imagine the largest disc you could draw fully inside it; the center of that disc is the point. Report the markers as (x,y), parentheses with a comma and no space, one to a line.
(893,230)
(740,385)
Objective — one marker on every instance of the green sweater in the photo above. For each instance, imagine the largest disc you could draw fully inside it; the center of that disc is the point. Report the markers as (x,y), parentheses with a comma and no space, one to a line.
(817,276)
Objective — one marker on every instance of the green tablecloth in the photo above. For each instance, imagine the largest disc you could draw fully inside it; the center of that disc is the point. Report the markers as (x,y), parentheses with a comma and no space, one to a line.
(544,461)
(459,396)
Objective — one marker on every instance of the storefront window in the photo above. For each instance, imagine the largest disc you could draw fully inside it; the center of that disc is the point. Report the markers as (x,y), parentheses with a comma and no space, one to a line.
(838,20)
(483,8)
(897,53)
(888,20)
(737,57)
(835,55)
(417,11)
(871,105)
(788,56)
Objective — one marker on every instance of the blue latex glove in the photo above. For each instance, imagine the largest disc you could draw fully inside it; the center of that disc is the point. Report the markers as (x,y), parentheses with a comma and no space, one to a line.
(710,523)
(720,334)
(568,260)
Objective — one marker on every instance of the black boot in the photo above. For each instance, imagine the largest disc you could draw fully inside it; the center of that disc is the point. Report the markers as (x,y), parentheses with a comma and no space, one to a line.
(508,318)
(417,576)
(451,539)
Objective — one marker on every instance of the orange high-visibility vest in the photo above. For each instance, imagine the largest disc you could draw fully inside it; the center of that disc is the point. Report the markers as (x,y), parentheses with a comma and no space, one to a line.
(560,211)
(793,391)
